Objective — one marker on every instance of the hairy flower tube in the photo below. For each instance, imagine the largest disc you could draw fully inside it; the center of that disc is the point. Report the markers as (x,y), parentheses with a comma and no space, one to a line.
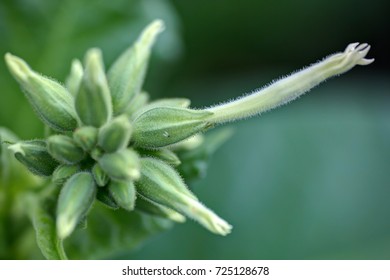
(108,143)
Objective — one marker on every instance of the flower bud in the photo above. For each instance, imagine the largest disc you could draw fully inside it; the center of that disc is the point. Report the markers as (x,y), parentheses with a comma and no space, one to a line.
(63,172)
(99,175)
(167,189)
(164,126)
(163,102)
(52,102)
(123,192)
(86,137)
(115,135)
(104,196)
(148,206)
(34,155)
(74,201)
(164,154)
(126,75)
(64,149)
(74,79)
(93,100)
(122,165)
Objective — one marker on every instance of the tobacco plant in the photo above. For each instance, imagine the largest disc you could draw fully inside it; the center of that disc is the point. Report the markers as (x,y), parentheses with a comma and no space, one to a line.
(107,144)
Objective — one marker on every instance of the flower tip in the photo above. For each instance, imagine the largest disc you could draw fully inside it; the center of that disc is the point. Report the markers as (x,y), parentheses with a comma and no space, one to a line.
(17,66)
(158,25)
(16,148)
(222,227)
(64,227)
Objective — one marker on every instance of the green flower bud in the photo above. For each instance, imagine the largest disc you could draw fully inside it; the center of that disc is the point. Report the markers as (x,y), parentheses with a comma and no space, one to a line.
(93,100)
(126,76)
(148,206)
(34,155)
(99,175)
(74,201)
(122,165)
(139,101)
(123,193)
(115,135)
(164,154)
(104,196)
(164,126)
(74,79)
(52,102)
(163,188)
(163,102)
(64,149)
(86,137)
(63,172)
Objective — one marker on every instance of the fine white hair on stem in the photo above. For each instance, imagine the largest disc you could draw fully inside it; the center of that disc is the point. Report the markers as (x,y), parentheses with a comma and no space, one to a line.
(290,87)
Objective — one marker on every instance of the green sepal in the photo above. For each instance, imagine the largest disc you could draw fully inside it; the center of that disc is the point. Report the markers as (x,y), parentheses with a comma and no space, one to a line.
(139,101)
(115,135)
(164,154)
(163,102)
(124,194)
(86,137)
(63,172)
(99,175)
(126,76)
(93,100)
(64,149)
(122,165)
(74,201)
(50,100)
(34,155)
(148,206)
(167,189)
(164,126)
(73,81)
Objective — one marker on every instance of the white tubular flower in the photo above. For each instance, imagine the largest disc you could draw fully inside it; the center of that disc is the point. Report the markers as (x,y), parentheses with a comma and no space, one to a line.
(291,87)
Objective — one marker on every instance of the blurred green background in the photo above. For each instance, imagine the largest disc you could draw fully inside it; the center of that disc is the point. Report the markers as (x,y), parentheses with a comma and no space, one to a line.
(310,180)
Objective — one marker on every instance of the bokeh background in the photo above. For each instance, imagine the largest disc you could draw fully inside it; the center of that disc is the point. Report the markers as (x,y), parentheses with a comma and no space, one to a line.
(310,180)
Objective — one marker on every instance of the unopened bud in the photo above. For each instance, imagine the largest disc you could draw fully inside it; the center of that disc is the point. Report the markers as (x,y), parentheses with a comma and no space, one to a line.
(163,102)
(148,206)
(52,102)
(115,135)
(93,101)
(139,101)
(74,201)
(99,175)
(158,186)
(34,155)
(63,172)
(164,126)
(122,165)
(86,137)
(164,154)
(127,74)
(74,79)
(64,149)
(123,193)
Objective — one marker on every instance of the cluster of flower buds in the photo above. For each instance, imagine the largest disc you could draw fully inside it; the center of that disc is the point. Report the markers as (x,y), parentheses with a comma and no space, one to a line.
(109,144)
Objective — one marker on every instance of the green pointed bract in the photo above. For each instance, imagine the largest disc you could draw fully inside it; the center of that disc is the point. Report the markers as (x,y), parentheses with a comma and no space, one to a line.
(122,165)
(74,79)
(123,192)
(99,175)
(115,135)
(104,196)
(64,149)
(86,137)
(163,102)
(63,172)
(164,126)
(34,155)
(74,201)
(160,187)
(148,206)
(127,74)
(93,100)
(50,100)
(164,154)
